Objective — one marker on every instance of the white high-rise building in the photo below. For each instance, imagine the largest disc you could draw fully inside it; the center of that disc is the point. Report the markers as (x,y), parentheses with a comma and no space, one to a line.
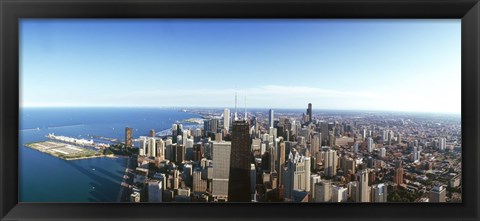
(330,163)
(160,148)
(370,144)
(221,169)
(339,194)
(189,143)
(315,178)
(437,194)
(152,151)
(442,143)
(382,152)
(352,190)
(307,173)
(416,155)
(294,178)
(379,193)
(185,134)
(226,119)
(362,195)
(385,136)
(253,178)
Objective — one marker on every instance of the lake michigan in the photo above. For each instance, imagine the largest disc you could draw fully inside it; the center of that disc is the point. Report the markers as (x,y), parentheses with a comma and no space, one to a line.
(44,178)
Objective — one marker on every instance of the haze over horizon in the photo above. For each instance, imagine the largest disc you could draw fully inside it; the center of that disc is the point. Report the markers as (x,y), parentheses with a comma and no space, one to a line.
(384,65)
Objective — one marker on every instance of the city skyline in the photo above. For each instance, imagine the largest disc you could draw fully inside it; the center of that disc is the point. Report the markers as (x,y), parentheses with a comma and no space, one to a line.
(188,63)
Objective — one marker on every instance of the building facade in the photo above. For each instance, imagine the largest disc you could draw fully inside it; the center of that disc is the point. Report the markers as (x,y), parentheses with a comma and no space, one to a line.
(239,179)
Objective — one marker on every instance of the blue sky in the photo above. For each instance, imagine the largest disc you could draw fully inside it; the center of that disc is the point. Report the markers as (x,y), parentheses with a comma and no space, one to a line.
(403,65)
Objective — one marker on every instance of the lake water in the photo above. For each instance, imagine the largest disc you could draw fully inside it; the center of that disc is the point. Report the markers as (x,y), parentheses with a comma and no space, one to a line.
(44,178)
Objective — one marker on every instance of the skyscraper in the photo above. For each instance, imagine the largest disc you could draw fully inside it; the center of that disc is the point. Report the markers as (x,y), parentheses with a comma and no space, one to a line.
(364,134)
(174,133)
(379,193)
(309,112)
(207,127)
(323,191)
(362,193)
(370,144)
(270,118)
(155,191)
(398,176)
(437,194)
(324,133)
(331,161)
(221,171)
(315,178)
(143,146)
(307,173)
(152,133)
(339,194)
(226,119)
(382,152)
(199,184)
(152,150)
(239,179)
(390,137)
(281,162)
(350,164)
(416,155)
(160,146)
(179,152)
(253,178)
(385,136)
(214,125)
(442,143)
(128,137)
(294,178)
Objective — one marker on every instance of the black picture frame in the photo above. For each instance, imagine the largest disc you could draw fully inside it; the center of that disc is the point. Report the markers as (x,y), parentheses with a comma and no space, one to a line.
(12,10)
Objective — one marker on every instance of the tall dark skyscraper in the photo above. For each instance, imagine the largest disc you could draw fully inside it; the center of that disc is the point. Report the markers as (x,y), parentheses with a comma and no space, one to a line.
(309,112)
(239,179)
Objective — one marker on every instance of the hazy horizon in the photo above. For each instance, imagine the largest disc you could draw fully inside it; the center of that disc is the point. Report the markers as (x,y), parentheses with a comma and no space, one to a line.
(241,110)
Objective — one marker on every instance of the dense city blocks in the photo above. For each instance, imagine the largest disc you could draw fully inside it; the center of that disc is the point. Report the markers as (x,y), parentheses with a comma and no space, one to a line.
(295,156)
